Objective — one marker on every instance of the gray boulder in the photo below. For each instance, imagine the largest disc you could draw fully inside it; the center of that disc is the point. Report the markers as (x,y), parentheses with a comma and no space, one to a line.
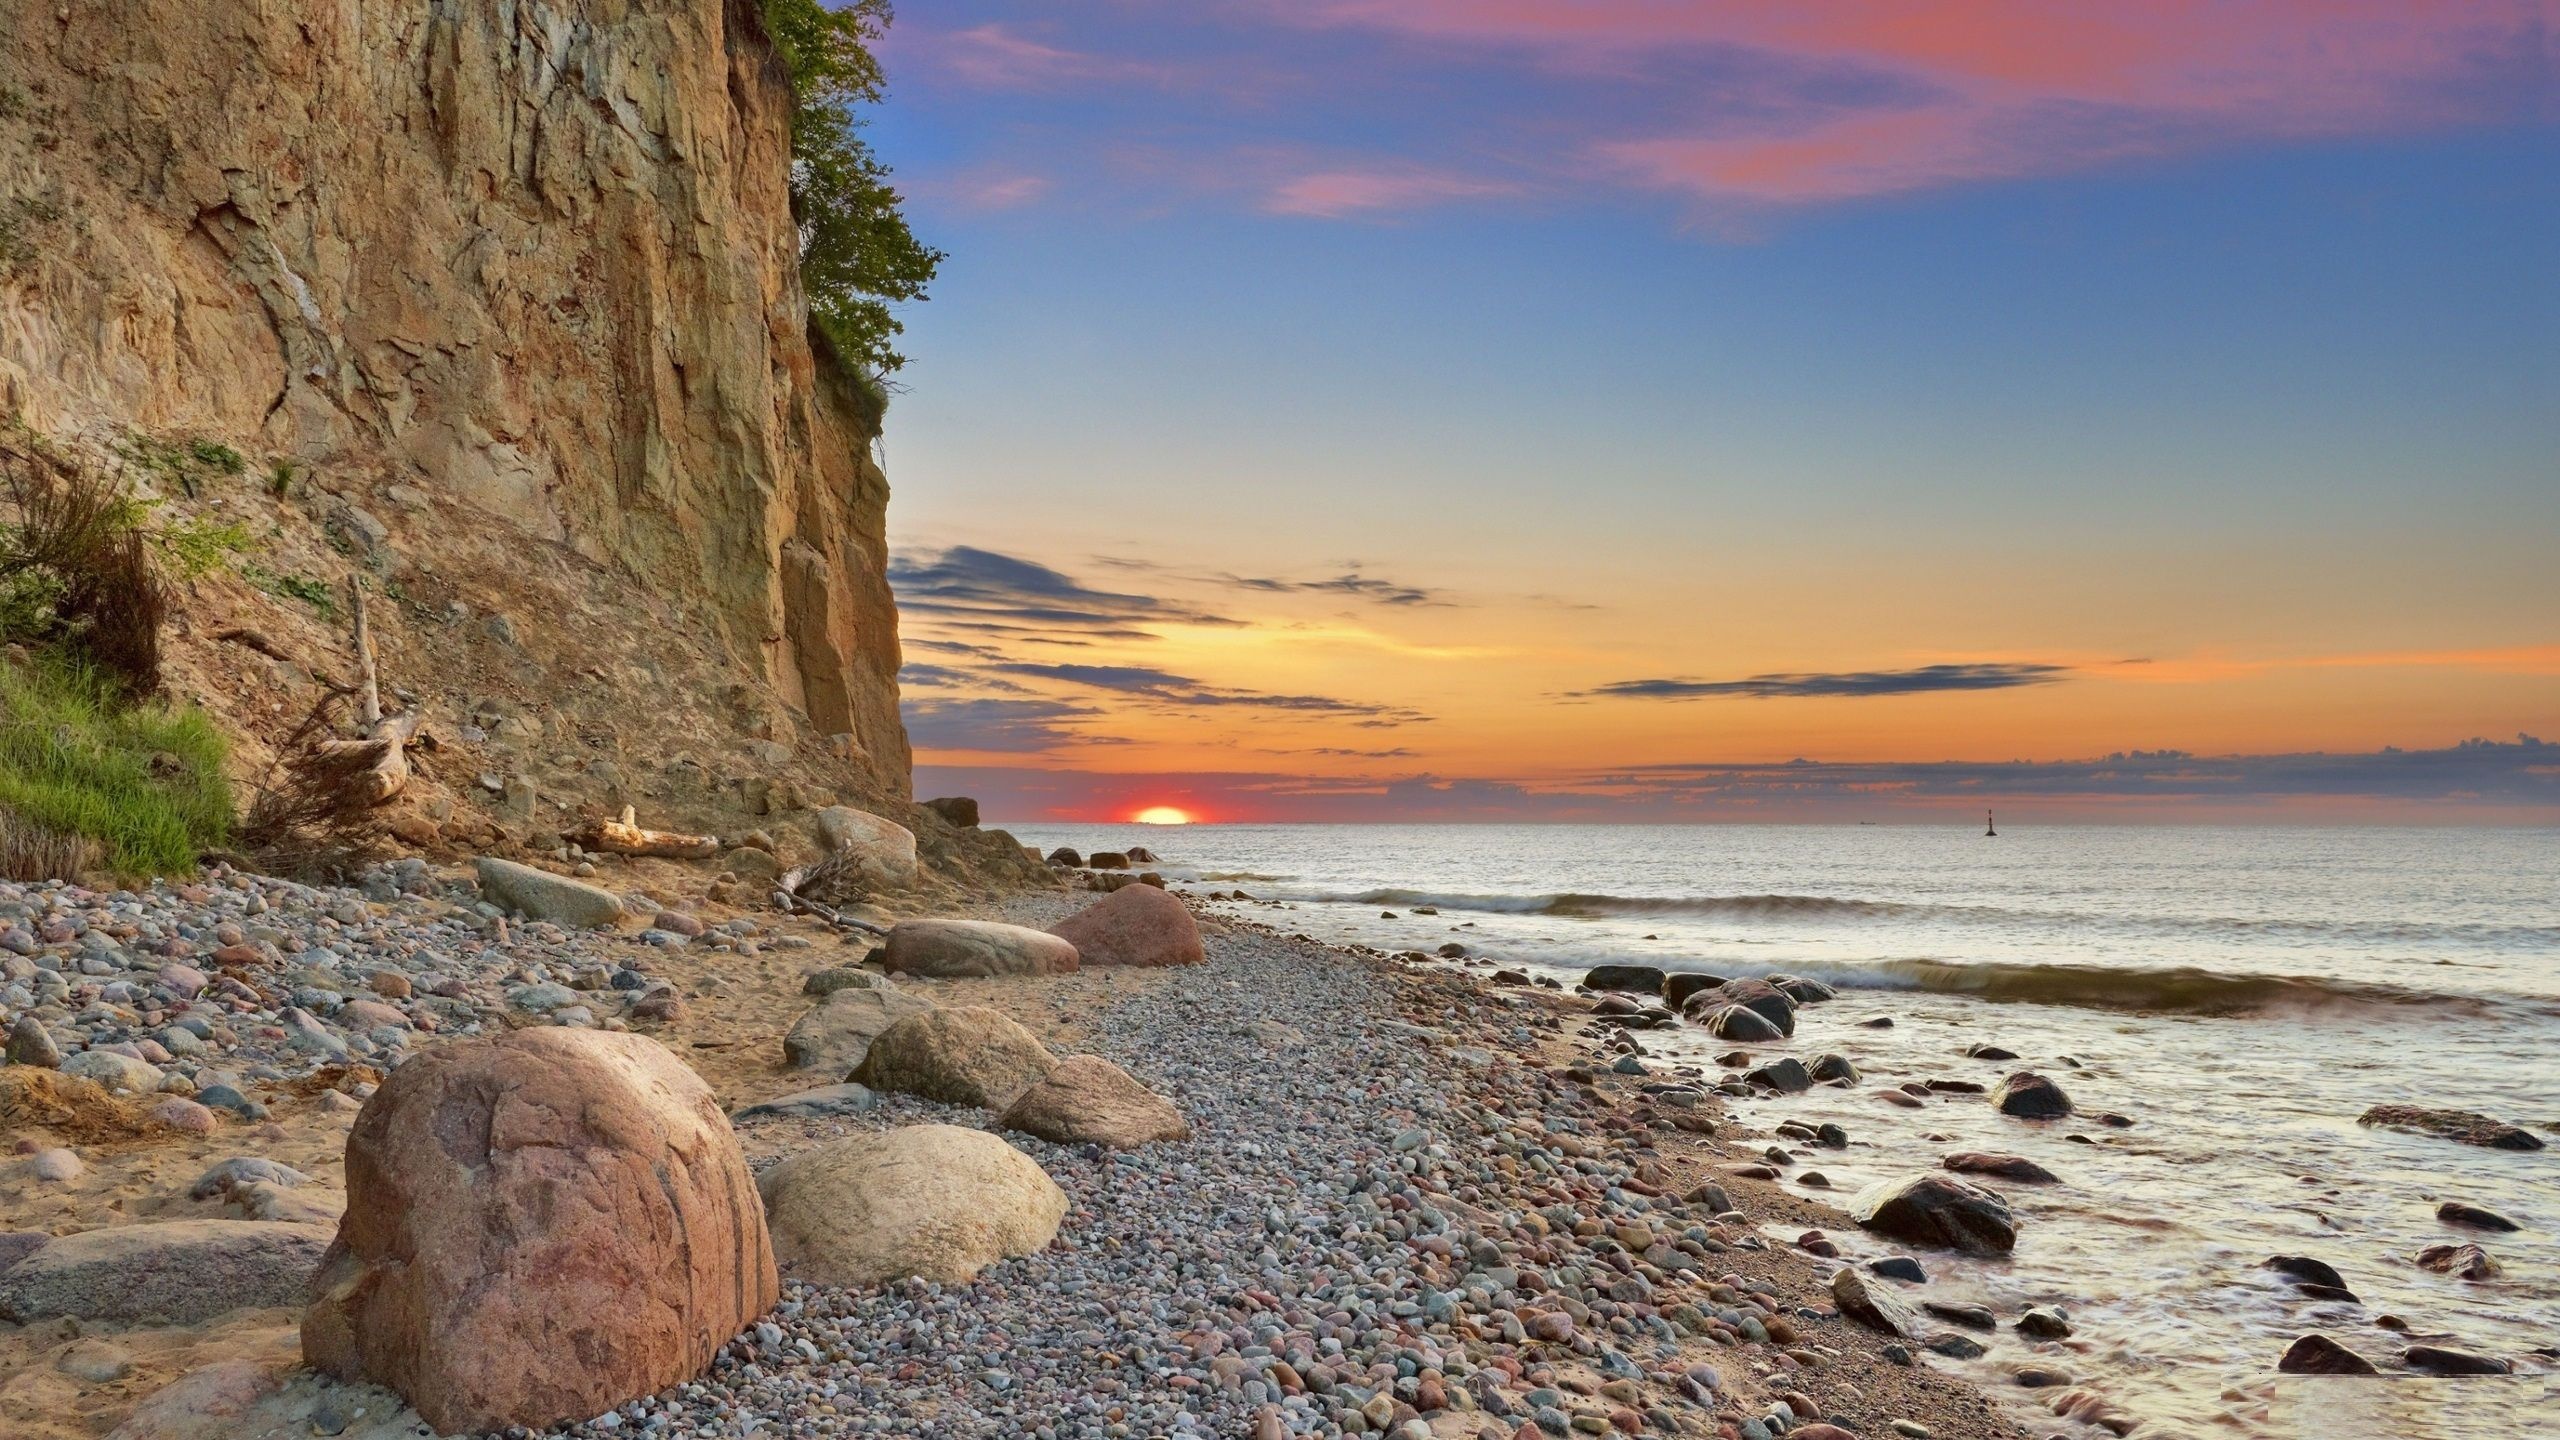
(1786,1075)
(837,1032)
(1678,986)
(847,1099)
(949,949)
(1742,1025)
(2463,1127)
(1759,996)
(1873,1305)
(1936,1210)
(182,1271)
(1640,979)
(883,850)
(117,1073)
(31,1044)
(540,895)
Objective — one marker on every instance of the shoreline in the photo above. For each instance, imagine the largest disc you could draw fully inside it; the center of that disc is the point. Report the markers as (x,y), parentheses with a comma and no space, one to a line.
(1389,1030)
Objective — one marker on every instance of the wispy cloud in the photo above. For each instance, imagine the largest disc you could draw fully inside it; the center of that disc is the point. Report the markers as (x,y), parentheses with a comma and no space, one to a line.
(1991,675)
(1349,110)
(1989,89)
(986,589)
(1182,692)
(1001,57)
(996,725)
(1352,583)
(1340,194)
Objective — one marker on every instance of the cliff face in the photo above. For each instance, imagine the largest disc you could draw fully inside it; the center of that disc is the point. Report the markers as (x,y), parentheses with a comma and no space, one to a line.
(525,268)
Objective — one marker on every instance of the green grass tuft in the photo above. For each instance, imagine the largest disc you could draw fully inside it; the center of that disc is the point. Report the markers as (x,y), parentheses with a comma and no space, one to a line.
(144,781)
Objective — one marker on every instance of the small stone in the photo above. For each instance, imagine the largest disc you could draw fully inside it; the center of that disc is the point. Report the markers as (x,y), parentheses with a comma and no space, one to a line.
(95,1362)
(2044,1323)
(31,1044)
(56,1166)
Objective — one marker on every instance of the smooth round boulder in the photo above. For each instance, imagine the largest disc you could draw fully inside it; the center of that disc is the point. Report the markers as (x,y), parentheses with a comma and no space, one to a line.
(539,1227)
(1089,1100)
(2031,1096)
(881,851)
(1828,1067)
(928,1202)
(1679,985)
(1741,1025)
(1786,1075)
(974,949)
(1638,979)
(965,1055)
(1758,996)
(1938,1211)
(1134,925)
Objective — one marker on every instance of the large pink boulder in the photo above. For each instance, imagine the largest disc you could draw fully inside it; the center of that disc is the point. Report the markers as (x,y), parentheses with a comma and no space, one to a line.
(1139,925)
(539,1227)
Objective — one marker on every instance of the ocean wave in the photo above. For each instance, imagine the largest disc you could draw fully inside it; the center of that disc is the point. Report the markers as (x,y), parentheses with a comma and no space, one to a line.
(2177,990)
(1597,906)
(1577,906)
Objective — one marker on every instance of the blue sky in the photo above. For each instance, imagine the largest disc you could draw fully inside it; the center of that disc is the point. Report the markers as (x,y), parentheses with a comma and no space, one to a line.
(1700,342)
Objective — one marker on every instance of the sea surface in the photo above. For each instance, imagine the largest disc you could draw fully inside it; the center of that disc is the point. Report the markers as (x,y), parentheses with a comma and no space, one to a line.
(2243,994)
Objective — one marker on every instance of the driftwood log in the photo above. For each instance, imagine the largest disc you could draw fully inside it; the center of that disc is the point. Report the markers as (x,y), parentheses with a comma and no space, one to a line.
(386,740)
(626,837)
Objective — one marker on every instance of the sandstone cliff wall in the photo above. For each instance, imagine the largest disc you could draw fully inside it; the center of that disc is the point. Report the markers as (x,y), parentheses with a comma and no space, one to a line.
(511,285)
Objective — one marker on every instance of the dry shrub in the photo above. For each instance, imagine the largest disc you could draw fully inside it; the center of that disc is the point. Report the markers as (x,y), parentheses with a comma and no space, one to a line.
(81,538)
(836,881)
(34,1098)
(314,816)
(31,853)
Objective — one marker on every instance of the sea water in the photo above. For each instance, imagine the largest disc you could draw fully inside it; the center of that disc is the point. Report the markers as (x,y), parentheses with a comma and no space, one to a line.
(2242,994)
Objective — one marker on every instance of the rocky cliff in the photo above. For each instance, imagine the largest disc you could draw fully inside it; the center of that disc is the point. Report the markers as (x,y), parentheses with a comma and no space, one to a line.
(498,301)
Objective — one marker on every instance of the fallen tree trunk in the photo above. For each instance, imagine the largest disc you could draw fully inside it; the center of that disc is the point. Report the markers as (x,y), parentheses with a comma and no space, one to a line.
(625,837)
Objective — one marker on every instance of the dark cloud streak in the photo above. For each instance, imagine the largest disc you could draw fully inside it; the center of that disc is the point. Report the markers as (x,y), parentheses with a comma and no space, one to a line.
(1925,679)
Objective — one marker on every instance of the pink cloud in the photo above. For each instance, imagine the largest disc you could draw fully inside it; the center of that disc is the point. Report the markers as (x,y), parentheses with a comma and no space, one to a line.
(994,57)
(1336,194)
(999,190)
(2011,87)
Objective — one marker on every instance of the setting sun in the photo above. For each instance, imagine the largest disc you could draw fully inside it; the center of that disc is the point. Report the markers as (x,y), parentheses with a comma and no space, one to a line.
(1162,815)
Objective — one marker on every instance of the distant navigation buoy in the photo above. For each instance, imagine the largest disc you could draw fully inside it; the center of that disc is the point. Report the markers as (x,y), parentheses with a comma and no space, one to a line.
(1988,828)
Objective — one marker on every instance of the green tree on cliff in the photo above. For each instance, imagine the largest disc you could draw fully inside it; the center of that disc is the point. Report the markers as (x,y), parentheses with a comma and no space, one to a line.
(857,255)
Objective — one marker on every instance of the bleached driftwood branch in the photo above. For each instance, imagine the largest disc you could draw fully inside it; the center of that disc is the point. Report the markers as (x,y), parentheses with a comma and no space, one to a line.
(386,740)
(626,837)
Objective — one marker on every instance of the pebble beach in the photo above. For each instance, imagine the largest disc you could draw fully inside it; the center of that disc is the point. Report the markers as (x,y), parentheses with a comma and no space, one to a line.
(1413,1203)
